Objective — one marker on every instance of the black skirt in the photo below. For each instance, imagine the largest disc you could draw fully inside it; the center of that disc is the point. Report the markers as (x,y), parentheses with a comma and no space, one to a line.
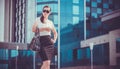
(47,48)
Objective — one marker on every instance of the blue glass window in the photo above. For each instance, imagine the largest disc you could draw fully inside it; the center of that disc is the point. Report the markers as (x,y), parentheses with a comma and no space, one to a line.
(99,1)
(94,15)
(69,55)
(75,9)
(94,4)
(88,33)
(109,10)
(5,66)
(3,54)
(75,1)
(39,8)
(88,0)
(79,53)
(99,10)
(45,0)
(39,0)
(55,19)
(105,5)
(88,9)
(75,20)
(54,7)
(110,1)
(14,53)
(94,9)
(88,53)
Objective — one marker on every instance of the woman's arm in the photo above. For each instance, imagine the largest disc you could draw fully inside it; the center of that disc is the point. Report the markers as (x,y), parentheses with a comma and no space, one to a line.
(54,33)
(34,26)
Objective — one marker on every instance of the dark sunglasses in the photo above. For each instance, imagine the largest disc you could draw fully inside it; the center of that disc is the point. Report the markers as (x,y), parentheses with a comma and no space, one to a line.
(46,11)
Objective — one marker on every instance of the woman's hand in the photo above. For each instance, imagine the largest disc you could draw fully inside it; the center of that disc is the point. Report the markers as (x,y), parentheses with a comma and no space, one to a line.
(53,41)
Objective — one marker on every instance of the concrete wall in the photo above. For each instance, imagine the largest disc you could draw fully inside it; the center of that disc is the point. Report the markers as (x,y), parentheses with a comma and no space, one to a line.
(111,38)
(112,45)
(6,20)
(2,12)
(96,40)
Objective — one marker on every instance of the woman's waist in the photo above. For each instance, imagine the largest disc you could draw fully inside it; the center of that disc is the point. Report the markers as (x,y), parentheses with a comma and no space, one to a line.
(45,40)
(44,36)
(45,33)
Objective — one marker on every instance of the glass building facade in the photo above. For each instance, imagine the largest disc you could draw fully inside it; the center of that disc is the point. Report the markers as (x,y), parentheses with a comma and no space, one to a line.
(72,31)
(72,27)
(96,8)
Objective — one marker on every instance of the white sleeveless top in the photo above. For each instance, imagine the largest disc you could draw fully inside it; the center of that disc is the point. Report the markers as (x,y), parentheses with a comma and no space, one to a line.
(47,24)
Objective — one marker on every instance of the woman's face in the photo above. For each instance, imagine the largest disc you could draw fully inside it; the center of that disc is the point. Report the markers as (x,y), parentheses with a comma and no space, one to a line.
(46,12)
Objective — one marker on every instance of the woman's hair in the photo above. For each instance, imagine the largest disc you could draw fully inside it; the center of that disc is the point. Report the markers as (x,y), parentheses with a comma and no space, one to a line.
(42,17)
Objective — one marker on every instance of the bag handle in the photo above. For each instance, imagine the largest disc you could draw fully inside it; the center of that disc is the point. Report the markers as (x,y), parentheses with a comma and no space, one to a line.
(37,31)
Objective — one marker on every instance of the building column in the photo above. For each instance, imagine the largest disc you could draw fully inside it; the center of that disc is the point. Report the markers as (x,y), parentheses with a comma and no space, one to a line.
(2,14)
(8,20)
(31,15)
(113,35)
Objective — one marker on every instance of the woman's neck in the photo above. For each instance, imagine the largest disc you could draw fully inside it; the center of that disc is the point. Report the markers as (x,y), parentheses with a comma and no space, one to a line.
(45,19)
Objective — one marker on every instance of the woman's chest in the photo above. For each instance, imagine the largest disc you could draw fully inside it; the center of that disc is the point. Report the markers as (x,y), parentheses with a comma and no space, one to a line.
(44,25)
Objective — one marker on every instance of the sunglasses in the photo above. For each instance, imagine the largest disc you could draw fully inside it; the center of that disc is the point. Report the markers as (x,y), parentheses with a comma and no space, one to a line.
(46,11)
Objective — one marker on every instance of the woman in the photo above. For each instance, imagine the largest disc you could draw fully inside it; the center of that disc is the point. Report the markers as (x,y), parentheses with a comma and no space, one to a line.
(47,43)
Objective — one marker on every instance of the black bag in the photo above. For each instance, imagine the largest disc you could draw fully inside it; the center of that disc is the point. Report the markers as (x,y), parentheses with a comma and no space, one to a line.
(35,42)
(55,51)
